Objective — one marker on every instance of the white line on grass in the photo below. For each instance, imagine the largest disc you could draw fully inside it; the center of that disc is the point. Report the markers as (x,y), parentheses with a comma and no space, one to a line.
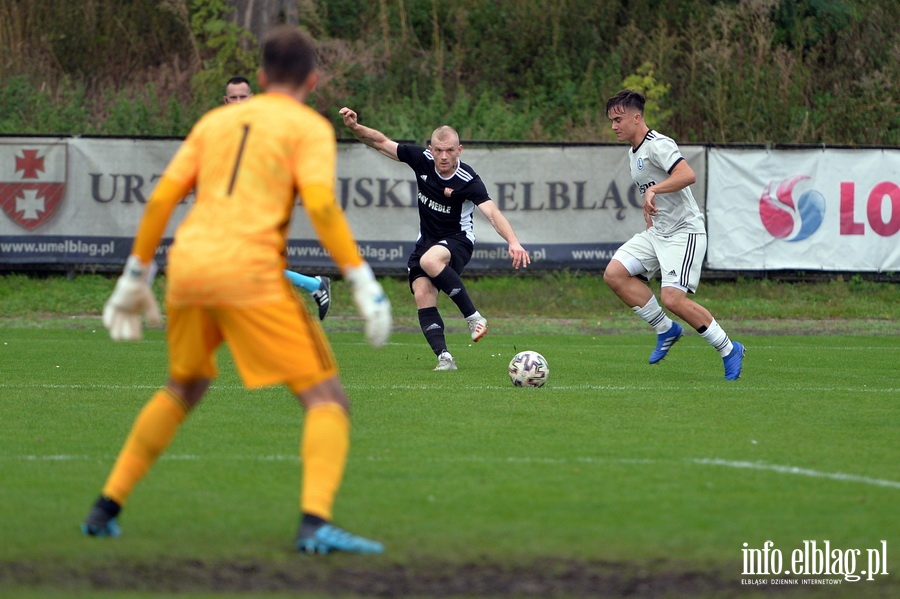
(87,386)
(799,471)
(418,346)
(743,465)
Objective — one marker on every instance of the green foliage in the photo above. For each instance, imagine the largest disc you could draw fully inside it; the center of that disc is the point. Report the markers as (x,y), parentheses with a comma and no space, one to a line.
(88,41)
(27,109)
(806,71)
(131,116)
(654,91)
(227,49)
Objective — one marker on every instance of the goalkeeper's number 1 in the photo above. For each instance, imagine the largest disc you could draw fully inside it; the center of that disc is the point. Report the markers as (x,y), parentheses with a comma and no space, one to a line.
(237,161)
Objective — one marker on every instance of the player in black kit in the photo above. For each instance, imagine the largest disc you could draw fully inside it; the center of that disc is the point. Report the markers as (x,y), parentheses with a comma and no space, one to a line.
(448,191)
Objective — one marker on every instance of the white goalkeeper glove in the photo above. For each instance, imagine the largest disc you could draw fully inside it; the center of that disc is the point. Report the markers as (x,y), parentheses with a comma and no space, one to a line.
(131,299)
(372,303)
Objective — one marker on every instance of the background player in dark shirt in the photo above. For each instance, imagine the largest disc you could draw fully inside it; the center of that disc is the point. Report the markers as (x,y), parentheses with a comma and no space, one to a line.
(448,191)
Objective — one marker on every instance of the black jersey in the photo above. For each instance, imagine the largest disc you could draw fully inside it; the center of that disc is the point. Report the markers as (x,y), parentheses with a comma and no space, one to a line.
(445,205)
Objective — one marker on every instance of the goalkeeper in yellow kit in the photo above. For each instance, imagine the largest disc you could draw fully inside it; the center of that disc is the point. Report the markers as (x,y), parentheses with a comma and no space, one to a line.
(226,284)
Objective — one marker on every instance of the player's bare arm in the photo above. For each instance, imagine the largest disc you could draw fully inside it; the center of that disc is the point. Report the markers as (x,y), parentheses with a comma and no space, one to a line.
(682,176)
(369,136)
(518,253)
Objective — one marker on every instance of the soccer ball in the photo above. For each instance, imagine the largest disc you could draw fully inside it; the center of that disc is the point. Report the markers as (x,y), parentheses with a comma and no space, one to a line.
(528,369)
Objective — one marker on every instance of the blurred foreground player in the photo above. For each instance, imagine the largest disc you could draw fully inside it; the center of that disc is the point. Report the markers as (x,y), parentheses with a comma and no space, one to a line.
(226,282)
(237,90)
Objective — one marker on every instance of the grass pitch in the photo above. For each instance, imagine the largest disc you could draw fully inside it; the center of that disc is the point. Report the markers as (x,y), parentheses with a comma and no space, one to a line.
(626,471)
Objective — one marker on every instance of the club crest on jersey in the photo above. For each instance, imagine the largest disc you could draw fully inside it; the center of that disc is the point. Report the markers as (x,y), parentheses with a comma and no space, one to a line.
(32,182)
(640,163)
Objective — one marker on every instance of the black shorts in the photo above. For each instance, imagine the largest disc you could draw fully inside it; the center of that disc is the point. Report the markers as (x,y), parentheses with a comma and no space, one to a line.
(460,253)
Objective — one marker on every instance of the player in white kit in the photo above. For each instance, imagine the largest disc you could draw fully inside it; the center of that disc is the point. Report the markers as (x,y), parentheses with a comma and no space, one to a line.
(674,242)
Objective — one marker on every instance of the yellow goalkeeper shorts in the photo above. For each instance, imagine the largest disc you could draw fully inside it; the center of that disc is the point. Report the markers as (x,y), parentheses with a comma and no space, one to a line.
(271,343)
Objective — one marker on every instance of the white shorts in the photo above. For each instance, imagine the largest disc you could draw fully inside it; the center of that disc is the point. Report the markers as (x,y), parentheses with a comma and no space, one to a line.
(678,258)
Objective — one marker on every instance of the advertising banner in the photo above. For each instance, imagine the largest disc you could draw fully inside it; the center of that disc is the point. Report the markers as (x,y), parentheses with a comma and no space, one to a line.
(830,210)
(79,201)
(106,183)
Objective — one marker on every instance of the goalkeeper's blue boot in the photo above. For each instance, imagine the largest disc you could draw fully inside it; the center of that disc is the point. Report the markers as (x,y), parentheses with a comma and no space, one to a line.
(734,362)
(328,538)
(665,341)
(101,521)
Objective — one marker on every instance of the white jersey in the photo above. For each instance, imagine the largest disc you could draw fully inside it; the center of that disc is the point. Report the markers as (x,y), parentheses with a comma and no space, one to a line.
(651,163)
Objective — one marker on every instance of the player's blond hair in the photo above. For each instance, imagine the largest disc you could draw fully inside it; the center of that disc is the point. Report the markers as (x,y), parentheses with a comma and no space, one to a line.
(445,132)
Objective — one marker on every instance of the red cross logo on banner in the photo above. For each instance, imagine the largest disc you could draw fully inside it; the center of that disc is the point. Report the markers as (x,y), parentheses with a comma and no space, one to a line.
(32,182)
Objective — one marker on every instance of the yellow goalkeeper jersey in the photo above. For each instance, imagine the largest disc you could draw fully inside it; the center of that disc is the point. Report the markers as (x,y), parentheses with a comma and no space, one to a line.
(247,162)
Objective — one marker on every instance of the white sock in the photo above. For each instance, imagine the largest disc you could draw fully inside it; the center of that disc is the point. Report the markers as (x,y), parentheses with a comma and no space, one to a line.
(715,336)
(654,316)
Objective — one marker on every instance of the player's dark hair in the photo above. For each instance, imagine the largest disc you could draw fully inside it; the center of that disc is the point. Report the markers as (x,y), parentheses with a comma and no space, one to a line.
(627,99)
(237,81)
(289,55)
